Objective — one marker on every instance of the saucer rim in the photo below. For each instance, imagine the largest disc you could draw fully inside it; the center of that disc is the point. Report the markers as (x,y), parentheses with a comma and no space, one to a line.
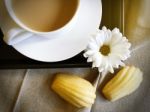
(24,50)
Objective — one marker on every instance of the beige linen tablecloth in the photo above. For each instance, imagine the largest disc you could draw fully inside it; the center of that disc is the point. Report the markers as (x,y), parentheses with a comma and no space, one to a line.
(10,84)
(29,90)
(22,91)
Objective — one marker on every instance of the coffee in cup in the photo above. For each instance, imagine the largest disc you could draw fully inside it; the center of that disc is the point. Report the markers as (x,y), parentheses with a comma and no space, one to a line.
(44,15)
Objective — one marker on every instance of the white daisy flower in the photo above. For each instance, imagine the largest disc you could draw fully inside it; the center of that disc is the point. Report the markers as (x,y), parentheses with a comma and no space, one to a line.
(107,50)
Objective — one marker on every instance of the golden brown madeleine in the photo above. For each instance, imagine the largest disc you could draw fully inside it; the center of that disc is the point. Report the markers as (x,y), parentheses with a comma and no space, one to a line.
(126,81)
(74,89)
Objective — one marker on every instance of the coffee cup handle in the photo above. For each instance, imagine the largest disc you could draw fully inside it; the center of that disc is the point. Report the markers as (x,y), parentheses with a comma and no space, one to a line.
(17,35)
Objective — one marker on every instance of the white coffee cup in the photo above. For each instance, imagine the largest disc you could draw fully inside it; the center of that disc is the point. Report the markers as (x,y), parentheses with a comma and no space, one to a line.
(18,35)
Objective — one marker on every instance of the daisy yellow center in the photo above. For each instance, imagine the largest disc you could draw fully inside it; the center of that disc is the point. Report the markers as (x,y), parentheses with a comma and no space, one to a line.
(105,50)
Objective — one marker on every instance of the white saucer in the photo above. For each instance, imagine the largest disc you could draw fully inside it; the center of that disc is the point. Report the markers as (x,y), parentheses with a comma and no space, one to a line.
(67,44)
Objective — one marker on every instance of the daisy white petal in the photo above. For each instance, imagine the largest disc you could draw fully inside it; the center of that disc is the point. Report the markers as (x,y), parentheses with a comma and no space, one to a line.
(92,46)
(110,68)
(89,59)
(115,30)
(104,28)
(100,39)
(89,52)
(98,60)
(117,47)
